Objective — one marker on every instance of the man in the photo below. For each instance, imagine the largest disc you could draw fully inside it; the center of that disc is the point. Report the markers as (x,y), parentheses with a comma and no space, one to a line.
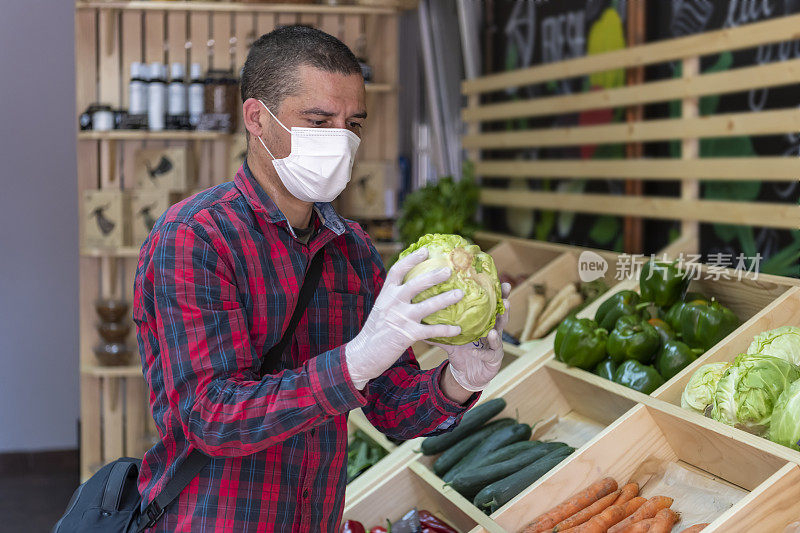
(216,284)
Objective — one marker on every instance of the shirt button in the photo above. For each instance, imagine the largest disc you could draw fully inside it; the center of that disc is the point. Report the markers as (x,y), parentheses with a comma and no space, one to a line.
(305,493)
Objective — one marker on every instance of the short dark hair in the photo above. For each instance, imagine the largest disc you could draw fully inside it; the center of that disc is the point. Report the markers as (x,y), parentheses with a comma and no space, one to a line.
(270,71)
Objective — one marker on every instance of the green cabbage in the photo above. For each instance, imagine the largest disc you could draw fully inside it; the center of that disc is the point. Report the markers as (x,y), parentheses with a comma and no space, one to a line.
(699,391)
(785,423)
(747,392)
(473,271)
(783,342)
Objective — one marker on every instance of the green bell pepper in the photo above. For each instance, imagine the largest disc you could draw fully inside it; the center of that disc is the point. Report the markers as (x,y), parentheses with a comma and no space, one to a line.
(580,342)
(637,376)
(673,357)
(632,338)
(704,324)
(615,307)
(663,329)
(605,369)
(673,316)
(663,283)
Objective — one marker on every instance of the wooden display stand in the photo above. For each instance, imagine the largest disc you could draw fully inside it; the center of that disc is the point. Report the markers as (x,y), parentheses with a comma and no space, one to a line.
(109,36)
(620,432)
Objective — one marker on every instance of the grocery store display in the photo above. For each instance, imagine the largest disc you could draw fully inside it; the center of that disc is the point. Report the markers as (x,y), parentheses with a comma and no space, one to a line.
(491,461)
(602,507)
(626,344)
(473,272)
(362,453)
(758,391)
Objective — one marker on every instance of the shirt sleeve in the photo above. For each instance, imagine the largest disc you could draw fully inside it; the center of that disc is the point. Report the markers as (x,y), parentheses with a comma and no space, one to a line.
(406,402)
(209,365)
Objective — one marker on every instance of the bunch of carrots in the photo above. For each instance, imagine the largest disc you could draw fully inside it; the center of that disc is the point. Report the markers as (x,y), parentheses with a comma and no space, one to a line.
(603,507)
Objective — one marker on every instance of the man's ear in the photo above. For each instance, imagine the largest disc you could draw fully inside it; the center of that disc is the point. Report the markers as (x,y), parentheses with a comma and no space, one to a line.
(251,113)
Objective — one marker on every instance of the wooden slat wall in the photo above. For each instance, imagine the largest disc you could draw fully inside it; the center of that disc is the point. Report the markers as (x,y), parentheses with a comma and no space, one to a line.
(115,420)
(688,128)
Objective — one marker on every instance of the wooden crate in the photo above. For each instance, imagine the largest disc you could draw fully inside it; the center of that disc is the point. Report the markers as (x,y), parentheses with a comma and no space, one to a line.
(638,447)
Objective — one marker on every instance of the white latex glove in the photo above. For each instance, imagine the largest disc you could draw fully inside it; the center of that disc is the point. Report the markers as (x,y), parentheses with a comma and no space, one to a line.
(394,323)
(474,365)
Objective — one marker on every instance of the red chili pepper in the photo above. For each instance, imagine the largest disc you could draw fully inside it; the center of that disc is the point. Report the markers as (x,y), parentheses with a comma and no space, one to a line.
(353,526)
(432,524)
(378,529)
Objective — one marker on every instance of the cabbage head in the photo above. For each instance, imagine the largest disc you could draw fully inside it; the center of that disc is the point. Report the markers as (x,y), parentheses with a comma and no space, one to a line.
(748,391)
(783,342)
(473,272)
(699,391)
(785,425)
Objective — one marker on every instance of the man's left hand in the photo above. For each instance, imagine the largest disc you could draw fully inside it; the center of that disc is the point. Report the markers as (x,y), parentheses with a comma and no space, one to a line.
(473,365)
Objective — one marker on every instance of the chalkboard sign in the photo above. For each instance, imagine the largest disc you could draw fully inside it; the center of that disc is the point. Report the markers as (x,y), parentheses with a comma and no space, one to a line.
(775,251)
(529,33)
(523,33)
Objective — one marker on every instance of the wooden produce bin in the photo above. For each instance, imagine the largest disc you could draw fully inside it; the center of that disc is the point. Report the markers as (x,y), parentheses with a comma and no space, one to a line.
(770,507)
(403,489)
(784,311)
(561,407)
(641,447)
(747,298)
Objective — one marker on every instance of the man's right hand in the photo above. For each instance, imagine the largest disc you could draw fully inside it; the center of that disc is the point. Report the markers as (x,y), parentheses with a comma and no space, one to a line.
(394,323)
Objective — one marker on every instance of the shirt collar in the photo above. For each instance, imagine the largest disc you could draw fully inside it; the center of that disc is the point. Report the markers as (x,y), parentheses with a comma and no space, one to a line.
(260,201)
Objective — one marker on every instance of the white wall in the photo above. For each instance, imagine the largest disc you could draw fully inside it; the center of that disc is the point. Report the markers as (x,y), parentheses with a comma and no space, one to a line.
(38,227)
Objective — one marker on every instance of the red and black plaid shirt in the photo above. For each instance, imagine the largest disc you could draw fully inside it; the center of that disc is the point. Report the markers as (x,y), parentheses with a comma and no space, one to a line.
(213,285)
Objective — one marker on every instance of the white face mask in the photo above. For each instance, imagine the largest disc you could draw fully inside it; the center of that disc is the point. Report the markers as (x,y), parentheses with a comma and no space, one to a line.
(319,164)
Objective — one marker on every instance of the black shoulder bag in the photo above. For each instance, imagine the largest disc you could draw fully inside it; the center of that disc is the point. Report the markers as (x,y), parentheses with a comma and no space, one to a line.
(109,501)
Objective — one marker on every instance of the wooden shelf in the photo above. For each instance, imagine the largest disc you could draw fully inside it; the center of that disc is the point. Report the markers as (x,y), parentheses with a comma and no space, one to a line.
(127,371)
(144,135)
(123,251)
(236,7)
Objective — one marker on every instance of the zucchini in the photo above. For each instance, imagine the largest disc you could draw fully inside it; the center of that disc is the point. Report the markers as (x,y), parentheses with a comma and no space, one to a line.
(454,454)
(495,441)
(470,422)
(501,492)
(508,452)
(470,482)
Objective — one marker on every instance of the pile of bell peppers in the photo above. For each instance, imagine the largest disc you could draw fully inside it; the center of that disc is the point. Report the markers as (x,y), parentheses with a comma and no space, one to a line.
(624,344)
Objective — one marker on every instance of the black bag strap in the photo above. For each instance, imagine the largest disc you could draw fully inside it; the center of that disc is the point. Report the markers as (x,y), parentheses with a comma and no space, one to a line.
(197,460)
(310,283)
(115,485)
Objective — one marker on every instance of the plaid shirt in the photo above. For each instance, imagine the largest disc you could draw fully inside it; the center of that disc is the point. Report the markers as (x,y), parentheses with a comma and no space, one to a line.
(214,282)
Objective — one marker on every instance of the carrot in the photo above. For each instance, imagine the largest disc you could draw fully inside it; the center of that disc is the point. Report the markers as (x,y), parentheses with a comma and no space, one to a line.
(697,528)
(664,520)
(642,526)
(610,516)
(648,510)
(582,516)
(573,504)
(628,492)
